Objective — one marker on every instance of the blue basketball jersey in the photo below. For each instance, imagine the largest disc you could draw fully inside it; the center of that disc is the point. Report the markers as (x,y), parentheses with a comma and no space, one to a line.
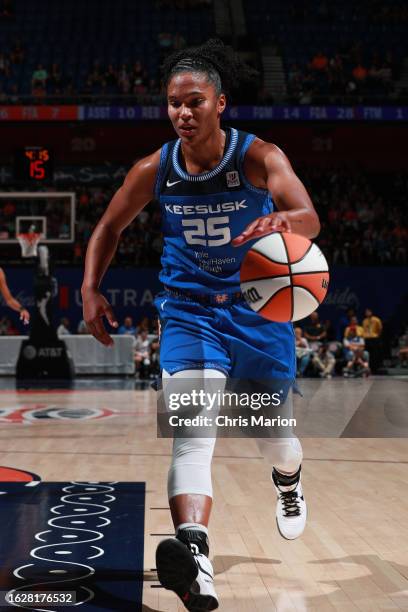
(202,213)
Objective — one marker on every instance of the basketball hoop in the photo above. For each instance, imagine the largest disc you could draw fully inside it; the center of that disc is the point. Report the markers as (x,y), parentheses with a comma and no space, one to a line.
(29,243)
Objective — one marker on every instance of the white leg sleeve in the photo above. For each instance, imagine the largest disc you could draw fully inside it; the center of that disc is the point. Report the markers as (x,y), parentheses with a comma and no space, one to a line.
(190,469)
(285,454)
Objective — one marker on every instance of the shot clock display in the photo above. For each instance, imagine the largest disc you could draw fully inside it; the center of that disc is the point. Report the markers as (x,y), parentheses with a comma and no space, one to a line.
(33,164)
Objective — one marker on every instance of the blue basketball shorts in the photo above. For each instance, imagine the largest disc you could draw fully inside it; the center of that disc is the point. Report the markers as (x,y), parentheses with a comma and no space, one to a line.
(234,339)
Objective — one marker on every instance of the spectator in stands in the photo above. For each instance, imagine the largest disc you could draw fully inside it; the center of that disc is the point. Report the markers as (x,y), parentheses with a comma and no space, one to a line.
(359,73)
(400,240)
(4,65)
(265,96)
(294,75)
(124,80)
(179,42)
(303,352)
(144,325)
(154,92)
(324,361)
(7,327)
(155,350)
(353,338)
(12,93)
(319,62)
(82,328)
(336,66)
(354,329)
(165,40)
(84,197)
(139,78)
(87,88)
(142,354)
(63,327)
(403,349)
(55,80)
(17,52)
(111,78)
(343,322)
(314,331)
(39,78)
(95,78)
(127,328)
(358,365)
(372,327)
(4,325)
(307,90)
(156,326)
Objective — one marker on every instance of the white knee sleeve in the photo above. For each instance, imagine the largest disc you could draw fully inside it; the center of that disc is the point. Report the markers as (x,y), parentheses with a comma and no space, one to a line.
(190,469)
(285,454)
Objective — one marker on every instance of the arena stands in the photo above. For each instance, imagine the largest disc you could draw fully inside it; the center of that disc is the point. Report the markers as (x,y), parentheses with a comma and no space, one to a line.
(82,54)
(304,56)
(363,219)
(367,225)
(324,59)
(336,54)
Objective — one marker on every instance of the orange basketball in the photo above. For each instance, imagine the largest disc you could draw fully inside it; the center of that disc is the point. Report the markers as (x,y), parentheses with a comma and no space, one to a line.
(284,277)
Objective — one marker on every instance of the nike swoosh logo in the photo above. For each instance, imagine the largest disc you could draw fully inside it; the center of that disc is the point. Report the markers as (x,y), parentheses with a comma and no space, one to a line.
(170,184)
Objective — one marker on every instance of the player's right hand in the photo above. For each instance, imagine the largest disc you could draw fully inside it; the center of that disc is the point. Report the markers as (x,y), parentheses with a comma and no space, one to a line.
(25,316)
(95,308)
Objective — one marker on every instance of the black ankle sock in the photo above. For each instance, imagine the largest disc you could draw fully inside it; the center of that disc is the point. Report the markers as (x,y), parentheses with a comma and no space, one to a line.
(285,480)
(194,537)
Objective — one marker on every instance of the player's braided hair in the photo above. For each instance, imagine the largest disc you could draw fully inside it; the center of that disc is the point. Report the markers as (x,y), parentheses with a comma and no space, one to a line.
(223,67)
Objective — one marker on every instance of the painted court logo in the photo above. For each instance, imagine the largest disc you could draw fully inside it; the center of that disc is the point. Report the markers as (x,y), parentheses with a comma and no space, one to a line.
(40,412)
(9,474)
(66,539)
(13,480)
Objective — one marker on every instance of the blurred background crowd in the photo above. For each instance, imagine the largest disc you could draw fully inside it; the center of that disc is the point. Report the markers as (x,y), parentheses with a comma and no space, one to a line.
(352,348)
(363,220)
(333,53)
(329,53)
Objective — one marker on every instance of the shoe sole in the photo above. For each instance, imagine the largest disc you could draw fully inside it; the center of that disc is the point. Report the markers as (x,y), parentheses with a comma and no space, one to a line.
(177,571)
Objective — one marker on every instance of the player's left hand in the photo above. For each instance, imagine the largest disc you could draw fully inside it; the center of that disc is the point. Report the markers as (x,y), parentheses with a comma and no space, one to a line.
(275,222)
(25,316)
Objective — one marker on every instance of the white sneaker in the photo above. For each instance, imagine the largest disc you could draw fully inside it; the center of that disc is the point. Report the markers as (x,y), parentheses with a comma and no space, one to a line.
(291,509)
(183,569)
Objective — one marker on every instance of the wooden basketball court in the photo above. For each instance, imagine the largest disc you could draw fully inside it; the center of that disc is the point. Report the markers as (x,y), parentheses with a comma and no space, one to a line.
(352,556)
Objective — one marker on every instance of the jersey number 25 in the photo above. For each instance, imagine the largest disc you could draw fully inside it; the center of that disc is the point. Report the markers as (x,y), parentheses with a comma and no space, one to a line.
(203,229)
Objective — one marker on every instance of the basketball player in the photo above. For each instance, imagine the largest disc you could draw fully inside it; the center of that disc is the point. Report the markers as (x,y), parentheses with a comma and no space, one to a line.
(218,189)
(11,301)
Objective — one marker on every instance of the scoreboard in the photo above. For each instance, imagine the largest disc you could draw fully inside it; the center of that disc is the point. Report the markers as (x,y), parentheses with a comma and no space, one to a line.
(33,164)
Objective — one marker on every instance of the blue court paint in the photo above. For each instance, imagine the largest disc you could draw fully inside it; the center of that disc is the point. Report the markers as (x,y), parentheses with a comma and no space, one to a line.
(79,536)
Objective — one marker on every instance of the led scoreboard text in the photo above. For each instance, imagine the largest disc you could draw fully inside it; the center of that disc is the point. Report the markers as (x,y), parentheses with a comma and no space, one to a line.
(37,159)
(33,164)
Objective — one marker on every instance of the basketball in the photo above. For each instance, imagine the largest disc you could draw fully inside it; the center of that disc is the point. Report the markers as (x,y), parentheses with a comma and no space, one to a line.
(284,277)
